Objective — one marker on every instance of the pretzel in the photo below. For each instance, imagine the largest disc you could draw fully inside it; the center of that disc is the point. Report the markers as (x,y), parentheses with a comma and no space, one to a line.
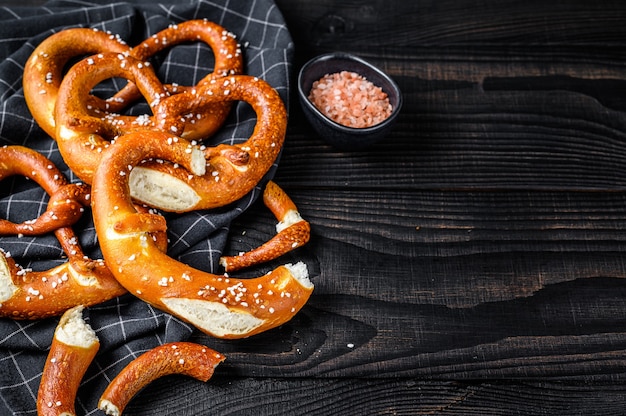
(44,70)
(292,231)
(67,200)
(228,61)
(73,348)
(217,305)
(227,52)
(185,358)
(83,137)
(233,170)
(27,294)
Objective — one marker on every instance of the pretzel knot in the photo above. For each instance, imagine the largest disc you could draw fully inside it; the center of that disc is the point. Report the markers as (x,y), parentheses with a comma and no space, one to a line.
(44,71)
(27,294)
(83,135)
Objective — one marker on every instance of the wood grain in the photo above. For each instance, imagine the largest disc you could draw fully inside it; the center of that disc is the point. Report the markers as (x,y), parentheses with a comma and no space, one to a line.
(482,243)
(473,262)
(486,285)
(326,397)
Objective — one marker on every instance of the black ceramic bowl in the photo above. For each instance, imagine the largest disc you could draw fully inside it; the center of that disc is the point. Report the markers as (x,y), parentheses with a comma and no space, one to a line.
(338,135)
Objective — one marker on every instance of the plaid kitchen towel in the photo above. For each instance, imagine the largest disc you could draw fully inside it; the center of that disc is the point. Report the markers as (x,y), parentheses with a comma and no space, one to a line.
(126,326)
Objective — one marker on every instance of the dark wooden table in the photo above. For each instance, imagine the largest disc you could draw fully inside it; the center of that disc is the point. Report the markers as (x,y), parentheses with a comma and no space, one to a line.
(474,262)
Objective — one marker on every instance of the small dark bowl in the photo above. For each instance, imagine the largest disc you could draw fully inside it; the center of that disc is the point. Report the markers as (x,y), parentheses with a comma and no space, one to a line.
(338,135)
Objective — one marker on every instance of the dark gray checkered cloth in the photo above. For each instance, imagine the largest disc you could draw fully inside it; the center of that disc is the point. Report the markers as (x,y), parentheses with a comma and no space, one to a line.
(126,326)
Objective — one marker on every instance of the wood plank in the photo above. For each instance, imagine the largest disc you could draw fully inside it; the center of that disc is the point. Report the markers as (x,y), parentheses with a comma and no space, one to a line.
(398,396)
(450,285)
(495,98)
(336,24)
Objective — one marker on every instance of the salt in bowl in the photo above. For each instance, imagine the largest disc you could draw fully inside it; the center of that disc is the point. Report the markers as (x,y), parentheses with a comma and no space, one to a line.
(338,135)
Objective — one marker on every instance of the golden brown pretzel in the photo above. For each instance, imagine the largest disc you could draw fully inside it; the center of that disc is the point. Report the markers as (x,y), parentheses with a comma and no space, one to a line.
(45,68)
(83,133)
(217,305)
(185,358)
(232,170)
(226,49)
(292,231)
(66,200)
(27,294)
(73,348)
(83,136)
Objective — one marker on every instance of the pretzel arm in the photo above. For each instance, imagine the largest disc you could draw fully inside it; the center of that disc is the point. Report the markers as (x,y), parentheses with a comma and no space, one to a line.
(73,348)
(67,201)
(184,358)
(226,49)
(19,160)
(45,68)
(292,232)
(61,212)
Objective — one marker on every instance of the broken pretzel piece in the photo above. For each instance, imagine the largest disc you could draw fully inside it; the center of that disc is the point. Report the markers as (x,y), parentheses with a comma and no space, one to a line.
(73,348)
(292,232)
(185,358)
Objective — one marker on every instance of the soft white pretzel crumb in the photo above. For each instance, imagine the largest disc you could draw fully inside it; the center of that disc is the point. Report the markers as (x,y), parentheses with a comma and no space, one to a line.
(109,408)
(301,273)
(291,217)
(73,330)
(160,189)
(7,288)
(213,316)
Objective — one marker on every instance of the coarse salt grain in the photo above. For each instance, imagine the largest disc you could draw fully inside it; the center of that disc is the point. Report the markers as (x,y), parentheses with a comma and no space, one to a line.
(350,99)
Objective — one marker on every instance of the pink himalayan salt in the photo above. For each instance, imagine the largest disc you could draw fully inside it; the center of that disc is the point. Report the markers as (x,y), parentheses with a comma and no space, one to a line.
(351,100)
